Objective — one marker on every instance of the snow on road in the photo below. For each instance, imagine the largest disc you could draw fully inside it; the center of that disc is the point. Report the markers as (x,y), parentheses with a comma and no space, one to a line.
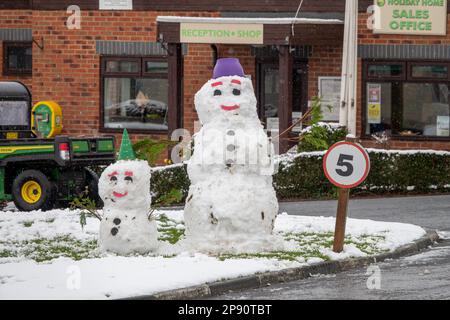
(111,277)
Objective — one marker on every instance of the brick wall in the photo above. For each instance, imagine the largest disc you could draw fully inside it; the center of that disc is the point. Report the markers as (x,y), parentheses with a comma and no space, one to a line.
(326,61)
(198,68)
(67,70)
(15,19)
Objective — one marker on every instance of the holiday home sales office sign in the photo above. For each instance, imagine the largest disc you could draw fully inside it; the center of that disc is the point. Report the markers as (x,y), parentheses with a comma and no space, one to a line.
(419,17)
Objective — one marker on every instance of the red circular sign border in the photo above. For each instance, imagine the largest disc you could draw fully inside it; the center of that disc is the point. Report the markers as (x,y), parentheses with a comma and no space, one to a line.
(366,172)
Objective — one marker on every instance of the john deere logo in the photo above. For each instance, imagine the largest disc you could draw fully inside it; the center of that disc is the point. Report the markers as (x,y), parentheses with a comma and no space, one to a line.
(381,3)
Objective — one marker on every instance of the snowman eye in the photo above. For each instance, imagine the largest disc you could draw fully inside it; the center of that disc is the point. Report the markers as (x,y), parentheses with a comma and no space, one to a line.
(113,179)
(217,92)
(236,92)
(128,179)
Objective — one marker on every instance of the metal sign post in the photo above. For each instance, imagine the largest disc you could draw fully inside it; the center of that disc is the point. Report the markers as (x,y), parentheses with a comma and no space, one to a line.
(346,165)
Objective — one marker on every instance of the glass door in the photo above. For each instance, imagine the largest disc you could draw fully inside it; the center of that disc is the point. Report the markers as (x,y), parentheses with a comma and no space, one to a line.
(268,93)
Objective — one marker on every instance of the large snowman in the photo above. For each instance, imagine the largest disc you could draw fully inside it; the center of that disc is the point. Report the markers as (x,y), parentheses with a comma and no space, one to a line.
(124,187)
(231,205)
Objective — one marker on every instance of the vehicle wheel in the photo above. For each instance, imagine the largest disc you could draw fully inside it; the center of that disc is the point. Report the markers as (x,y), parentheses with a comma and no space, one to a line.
(92,184)
(32,190)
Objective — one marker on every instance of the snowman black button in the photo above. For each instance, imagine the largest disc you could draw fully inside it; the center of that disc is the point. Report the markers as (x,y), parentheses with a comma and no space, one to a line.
(230,132)
(117,221)
(229,162)
(114,231)
(231,147)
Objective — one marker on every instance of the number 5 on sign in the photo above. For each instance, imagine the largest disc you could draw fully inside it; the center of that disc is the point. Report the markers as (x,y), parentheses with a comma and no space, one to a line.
(346,165)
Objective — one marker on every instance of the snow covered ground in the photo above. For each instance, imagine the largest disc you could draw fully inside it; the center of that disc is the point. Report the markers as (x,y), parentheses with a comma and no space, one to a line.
(46,255)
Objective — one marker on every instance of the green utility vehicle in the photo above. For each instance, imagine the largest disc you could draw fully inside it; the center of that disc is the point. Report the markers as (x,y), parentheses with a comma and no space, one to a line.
(40,169)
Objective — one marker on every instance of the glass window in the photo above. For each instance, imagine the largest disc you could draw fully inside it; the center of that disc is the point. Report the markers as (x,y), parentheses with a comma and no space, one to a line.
(18,58)
(135,102)
(429,71)
(14,113)
(122,66)
(270,94)
(425,109)
(380,101)
(385,70)
(156,67)
(416,105)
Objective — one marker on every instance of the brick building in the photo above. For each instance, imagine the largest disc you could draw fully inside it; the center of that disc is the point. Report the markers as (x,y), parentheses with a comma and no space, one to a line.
(139,66)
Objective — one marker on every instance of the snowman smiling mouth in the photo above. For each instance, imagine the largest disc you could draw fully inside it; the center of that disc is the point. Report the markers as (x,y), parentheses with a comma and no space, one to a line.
(119,195)
(230,108)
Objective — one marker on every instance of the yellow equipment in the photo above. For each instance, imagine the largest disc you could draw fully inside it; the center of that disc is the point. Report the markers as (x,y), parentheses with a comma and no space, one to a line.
(46,119)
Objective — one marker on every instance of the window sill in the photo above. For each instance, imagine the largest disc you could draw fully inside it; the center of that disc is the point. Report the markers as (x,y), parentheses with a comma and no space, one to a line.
(17,73)
(134,131)
(410,138)
(420,138)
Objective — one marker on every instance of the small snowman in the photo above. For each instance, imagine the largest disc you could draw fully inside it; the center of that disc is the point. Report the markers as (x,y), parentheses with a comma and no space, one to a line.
(231,205)
(124,187)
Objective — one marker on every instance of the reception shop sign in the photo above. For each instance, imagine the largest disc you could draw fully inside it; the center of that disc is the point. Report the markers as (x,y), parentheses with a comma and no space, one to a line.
(221,33)
(413,17)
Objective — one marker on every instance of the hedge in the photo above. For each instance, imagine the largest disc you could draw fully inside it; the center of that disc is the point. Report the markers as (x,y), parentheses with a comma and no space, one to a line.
(165,179)
(300,176)
(398,172)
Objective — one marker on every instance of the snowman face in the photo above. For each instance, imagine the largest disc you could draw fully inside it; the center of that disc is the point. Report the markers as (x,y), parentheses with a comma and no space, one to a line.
(226,98)
(125,184)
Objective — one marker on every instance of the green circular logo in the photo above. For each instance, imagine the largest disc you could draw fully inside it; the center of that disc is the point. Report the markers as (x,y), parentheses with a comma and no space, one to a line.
(381,3)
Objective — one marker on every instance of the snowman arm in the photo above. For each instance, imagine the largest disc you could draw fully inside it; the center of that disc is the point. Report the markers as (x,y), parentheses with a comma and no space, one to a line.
(151,214)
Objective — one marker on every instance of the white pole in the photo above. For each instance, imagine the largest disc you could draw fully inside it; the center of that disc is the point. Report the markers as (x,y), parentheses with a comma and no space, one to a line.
(353,57)
(343,113)
(347,114)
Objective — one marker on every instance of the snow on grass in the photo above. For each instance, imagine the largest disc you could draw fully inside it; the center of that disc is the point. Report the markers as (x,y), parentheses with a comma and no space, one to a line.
(48,255)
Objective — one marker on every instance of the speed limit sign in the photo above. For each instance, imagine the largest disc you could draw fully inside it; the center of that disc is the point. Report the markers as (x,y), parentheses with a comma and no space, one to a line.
(346,164)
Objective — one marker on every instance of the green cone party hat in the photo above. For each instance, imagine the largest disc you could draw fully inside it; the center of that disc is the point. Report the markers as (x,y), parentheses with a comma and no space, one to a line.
(126,149)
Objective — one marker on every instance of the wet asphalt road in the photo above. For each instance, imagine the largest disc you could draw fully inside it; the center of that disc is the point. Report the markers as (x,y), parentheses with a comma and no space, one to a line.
(422,276)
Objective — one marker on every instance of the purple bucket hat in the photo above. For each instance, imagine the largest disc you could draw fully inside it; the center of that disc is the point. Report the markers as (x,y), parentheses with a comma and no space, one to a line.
(228,67)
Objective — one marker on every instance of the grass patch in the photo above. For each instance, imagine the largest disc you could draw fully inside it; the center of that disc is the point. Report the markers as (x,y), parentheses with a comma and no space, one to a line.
(27,224)
(310,245)
(279,255)
(42,250)
(169,230)
(4,253)
(303,246)
(307,245)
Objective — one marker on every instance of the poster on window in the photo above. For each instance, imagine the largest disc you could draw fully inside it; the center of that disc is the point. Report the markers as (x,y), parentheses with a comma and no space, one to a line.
(374,103)
(374,113)
(330,92)
(296,116)
(443,126)
(273,124)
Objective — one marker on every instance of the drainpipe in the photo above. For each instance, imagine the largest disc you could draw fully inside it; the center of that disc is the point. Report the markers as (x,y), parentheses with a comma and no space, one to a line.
(215,53)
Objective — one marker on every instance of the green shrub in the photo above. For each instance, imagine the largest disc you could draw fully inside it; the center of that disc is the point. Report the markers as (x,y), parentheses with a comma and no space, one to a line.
(166,179)
(319,135)
(151,150)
